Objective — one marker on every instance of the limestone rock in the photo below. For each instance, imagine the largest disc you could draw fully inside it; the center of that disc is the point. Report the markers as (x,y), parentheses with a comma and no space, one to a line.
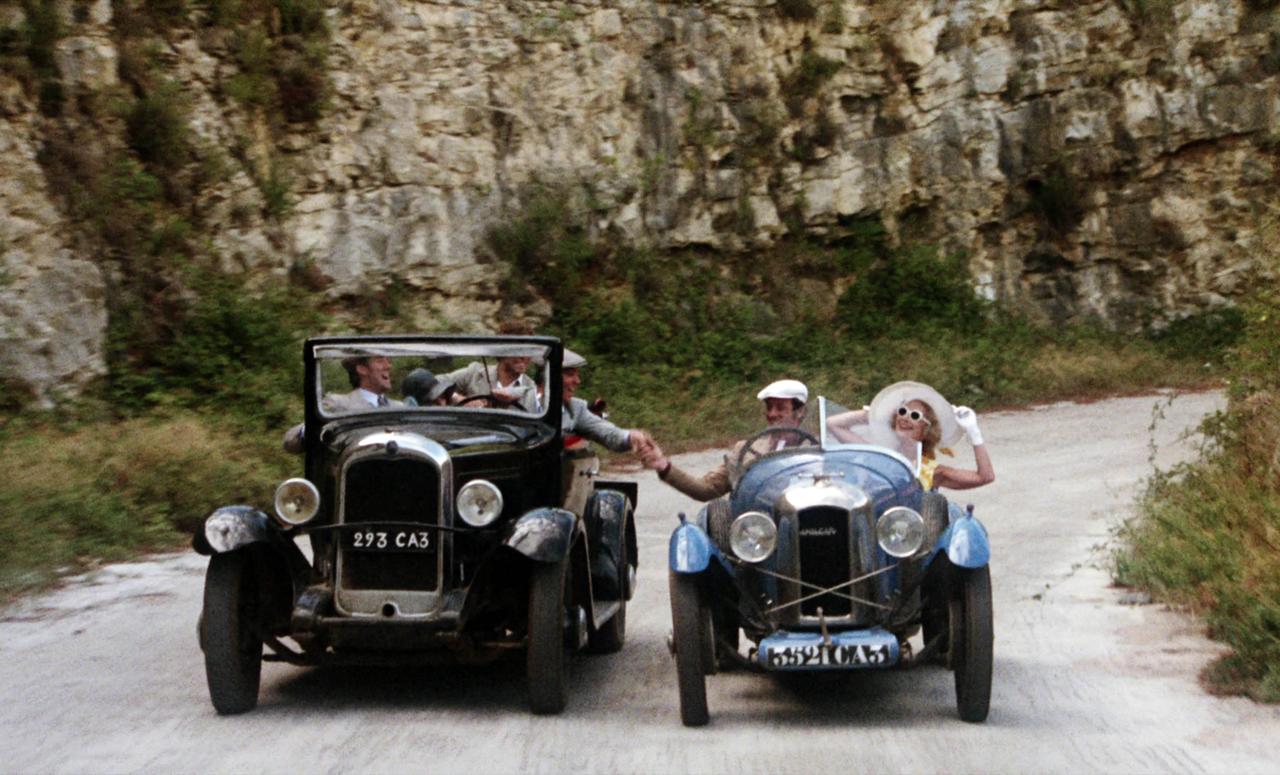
(1092,163)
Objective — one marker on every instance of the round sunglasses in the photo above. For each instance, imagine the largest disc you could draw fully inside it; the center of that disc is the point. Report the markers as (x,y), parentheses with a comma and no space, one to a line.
(915,414)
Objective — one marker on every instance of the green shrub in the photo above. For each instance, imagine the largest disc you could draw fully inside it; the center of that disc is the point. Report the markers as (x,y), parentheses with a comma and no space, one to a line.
(807,78)
(275,189)
(40,32)
(1207,531)
(253,85)
(224,345)
(912,289)
(301,17)
(156,128)
(106,491)
(1208,335)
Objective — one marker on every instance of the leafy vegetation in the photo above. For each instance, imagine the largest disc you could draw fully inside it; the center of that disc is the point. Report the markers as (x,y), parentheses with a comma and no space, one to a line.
(807,78)
(681,336)
(77,495)
(1207,536)
(281,48)
(27,51)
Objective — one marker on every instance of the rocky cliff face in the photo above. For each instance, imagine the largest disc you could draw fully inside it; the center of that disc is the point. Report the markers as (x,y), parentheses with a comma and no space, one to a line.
(1101,159)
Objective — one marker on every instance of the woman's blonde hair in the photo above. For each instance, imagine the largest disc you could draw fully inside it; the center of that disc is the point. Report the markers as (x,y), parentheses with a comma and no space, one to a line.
(932,433)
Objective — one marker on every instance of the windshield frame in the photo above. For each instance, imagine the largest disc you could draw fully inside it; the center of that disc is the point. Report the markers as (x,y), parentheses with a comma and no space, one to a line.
(830,442)
(319,351)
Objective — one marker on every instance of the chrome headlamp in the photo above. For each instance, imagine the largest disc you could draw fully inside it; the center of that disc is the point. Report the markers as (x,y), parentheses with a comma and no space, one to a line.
(900,531)
(753,536)
(479,503)
(297,501)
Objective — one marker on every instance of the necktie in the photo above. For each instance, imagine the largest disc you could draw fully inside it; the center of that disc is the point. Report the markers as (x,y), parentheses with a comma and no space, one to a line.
(382,401)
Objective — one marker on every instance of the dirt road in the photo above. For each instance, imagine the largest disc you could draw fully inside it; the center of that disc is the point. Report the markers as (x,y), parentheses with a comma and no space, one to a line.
(105,675)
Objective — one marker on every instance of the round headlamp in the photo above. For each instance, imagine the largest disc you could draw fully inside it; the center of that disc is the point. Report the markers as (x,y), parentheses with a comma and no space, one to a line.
(479,503)
(900,531)
(753,536)
(297,501)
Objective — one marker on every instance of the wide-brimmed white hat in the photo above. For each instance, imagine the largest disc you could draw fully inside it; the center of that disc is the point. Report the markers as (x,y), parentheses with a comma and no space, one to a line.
(884,409)
(785,388)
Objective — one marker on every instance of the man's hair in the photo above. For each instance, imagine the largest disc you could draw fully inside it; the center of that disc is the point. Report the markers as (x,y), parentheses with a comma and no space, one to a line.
(350,363)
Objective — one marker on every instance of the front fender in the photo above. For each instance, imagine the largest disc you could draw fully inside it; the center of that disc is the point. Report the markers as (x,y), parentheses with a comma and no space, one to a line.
(966,543)
(230,528)
(691,549)
(544,535)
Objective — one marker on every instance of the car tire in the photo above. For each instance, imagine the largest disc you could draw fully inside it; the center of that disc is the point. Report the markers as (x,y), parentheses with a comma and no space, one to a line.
(971,643)
(610,638)
(546,657)
(229,633)
(719,520)
(691,633)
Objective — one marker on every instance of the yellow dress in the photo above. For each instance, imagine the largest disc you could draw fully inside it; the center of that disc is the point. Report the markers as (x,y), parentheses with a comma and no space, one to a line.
(927,466)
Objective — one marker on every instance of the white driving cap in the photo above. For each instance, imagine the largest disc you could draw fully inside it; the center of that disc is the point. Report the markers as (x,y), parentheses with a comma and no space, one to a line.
(572,360)
(785,388)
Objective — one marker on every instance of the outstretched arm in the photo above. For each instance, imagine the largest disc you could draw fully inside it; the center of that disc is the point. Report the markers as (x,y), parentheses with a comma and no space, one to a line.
(960,479)
(841,425)
(710,485)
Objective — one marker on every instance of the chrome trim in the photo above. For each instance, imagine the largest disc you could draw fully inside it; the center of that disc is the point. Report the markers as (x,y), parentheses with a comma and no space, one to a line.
(409,604)
(823,492)
(494,492)
(924,532)
(311,490)
(835,493)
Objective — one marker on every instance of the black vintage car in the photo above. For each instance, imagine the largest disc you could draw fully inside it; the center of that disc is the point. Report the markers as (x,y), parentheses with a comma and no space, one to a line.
(436,528)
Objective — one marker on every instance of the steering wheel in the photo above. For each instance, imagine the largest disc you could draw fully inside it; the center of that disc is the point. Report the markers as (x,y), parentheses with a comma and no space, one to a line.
(748,447)
(494,400)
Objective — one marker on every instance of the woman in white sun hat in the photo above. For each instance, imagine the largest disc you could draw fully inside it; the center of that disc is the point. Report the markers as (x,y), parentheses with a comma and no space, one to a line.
(915,419)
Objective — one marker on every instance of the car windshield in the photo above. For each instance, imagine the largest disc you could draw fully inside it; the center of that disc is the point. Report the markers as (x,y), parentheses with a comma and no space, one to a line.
(844,428)
(368,377)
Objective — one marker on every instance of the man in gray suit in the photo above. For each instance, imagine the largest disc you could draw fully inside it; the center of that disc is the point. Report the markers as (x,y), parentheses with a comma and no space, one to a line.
(370,378)
(576,420)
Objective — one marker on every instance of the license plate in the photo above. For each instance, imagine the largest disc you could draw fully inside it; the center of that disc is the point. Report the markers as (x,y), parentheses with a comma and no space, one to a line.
(844,650)
(373,539)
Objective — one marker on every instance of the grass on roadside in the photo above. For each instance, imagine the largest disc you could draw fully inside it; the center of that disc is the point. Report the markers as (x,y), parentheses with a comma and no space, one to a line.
(96,492)
(1207,534)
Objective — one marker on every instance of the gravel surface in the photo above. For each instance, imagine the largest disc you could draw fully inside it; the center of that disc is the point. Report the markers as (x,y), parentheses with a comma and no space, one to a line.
(104,675)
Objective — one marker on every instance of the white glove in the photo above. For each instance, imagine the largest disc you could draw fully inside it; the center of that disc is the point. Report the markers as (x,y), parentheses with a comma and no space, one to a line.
(966,419)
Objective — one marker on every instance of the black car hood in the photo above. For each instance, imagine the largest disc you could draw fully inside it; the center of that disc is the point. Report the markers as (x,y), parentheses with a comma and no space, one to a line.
(453,433)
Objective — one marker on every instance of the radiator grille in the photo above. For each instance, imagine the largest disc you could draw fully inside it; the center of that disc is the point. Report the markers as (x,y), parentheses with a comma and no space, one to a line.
(825,558)
(391,490)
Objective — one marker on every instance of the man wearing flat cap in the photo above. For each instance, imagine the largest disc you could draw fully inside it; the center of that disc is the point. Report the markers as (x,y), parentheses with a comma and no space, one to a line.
(576,419)
(784,407)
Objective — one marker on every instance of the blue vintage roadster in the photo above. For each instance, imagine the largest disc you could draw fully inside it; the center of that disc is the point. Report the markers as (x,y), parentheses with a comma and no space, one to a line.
(830,556)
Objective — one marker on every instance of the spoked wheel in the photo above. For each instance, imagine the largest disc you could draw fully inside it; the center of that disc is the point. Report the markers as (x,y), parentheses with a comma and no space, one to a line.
(229,633)
(691,623)
(609,638)
(971,637)
(545,667)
